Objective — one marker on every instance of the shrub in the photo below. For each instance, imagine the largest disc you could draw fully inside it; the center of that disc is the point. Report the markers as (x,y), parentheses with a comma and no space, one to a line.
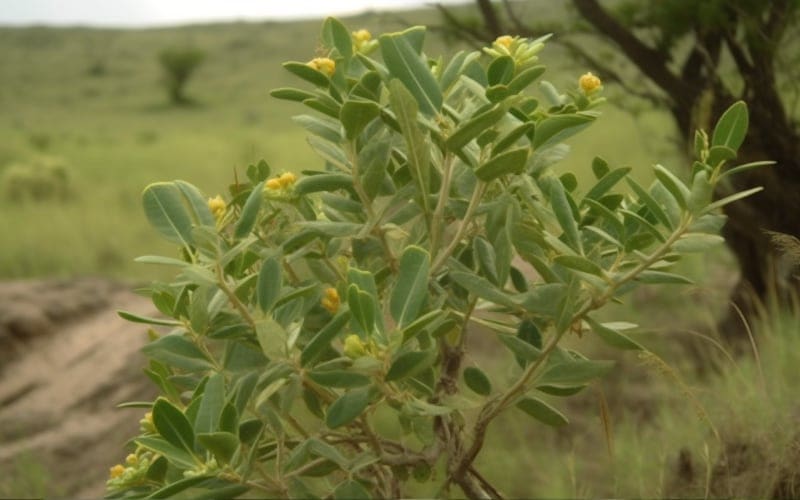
(178,65)
(317,328)
(43,178)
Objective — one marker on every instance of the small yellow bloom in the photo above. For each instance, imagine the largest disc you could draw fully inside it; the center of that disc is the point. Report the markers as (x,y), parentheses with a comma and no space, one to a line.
(116,471)
(131,459)
(217,206)
(323,65)
(354,347)
(331,301)
(362,36)
(273,184)
(504,41)
(589,83)
(286,180)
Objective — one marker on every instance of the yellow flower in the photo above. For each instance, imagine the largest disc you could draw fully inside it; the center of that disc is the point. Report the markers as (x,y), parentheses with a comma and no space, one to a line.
(354,347)
(323,65)
(217,206)
(331,300)
(286,180)
(504,41)
(131,459)
(116,471)
(589,83)
(273,184)
(362,36)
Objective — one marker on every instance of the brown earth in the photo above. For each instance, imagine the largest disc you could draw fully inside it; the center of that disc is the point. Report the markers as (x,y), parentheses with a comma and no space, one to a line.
(66,361)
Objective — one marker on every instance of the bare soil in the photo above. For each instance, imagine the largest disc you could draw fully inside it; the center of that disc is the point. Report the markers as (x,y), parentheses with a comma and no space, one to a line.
(66,360)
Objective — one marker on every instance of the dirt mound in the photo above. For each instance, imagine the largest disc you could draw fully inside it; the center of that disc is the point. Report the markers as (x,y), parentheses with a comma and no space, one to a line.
(66,361)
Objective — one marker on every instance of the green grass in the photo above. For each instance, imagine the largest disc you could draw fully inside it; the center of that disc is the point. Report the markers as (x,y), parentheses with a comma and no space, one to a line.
(93,98)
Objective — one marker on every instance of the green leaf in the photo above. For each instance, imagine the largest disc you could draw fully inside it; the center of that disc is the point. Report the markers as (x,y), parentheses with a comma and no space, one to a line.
(664,278)
(373,160)
(351,490)
(317,345)
(512,137)
(477,381)
(731,128)
(605,183)
(579,263)
(405,109)
(747,166)
(348,407)
(411,289)
(291,94)
(520,348)
(355,115)
(696,242)
(474,126)
(307,73)
(542,412)
(651,204)
(613,337)
(339,378)
(166,212)
(525,78)
(487,259)
(409,364)
(175,455)
(323,182)
(249,215)
(173,425)
(323,127)
(177,351)
(563,212)
(335,35)
(362,307)
(674,185)
(409,67)
(269,283)
(483,288)
(173,489)
(730,199)
(208,415)
(201,214)
(599,167)
(719,154)
(555,129)
(575,372)
(221,444)
(501,70)
(561,390)
(508,162)
(135,318)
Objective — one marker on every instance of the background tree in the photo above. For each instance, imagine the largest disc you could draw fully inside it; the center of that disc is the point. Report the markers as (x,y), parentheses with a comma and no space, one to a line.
(179,64)
(698,58)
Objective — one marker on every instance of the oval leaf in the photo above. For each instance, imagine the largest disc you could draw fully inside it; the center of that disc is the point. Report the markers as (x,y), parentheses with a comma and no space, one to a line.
(347,408)
(477,381)
(249,215)
(409,364)
(410,291)
(542,412)
(173,425)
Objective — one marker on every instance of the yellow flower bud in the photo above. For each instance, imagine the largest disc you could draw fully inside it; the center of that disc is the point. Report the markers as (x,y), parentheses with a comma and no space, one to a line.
(361,36)
(589,83)
(287,179)
(504,41)
(116,471)
(323,65)
(331,300)
(273,184)
(354,347)
(217,206)
(131,459)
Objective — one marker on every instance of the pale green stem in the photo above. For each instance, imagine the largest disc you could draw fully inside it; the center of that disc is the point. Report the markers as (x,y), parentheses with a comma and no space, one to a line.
(474,201)
(441,204)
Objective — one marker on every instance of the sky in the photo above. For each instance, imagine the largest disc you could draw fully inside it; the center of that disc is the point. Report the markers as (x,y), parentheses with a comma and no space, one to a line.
(135,13)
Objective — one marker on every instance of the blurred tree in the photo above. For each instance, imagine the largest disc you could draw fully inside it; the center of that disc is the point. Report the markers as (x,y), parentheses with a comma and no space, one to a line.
(698,58)
(179,64)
